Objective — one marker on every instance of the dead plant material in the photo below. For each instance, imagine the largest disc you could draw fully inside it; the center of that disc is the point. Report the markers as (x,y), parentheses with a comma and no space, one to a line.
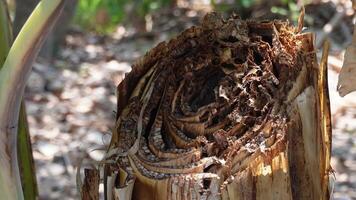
(90,189)
(347,78)
(231,109)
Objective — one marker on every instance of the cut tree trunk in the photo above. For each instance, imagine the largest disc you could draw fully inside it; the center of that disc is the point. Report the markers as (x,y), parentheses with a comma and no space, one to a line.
(231,109)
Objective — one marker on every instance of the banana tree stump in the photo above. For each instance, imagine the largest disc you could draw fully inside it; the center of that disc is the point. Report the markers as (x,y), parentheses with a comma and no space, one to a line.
(230,109)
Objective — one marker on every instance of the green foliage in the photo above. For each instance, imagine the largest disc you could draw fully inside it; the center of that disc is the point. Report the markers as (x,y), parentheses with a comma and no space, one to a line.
(245,3)
(5,32)
(288,9)
(26,163)
(285,8)
(146,6)
(90,13)
(224,6)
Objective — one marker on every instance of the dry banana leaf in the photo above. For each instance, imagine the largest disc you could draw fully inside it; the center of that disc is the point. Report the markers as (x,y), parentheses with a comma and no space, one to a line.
(347,77)
(231,109)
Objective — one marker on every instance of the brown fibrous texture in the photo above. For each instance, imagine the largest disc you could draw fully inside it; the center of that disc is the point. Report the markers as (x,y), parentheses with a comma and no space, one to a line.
(203,106)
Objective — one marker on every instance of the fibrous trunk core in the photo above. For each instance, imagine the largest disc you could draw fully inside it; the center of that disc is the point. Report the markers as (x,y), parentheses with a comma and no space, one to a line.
(231,109)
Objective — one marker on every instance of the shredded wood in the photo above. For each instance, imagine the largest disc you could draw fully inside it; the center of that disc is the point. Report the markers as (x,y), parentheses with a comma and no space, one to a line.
(198,110)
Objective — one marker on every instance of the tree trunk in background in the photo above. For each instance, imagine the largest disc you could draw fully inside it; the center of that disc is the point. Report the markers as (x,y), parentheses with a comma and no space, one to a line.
(50,48)
(23,10)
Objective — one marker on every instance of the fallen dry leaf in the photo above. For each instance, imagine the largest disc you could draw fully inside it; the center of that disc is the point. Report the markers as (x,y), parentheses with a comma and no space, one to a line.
(347,77)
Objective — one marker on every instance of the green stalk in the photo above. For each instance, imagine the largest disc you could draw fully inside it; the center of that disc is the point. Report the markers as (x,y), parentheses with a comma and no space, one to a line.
(26,164)
(13,76)
(5,44)
(5,31)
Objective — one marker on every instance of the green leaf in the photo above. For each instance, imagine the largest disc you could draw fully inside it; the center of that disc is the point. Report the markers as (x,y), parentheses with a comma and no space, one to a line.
(26,163)
(28,176)
(13,76)
(5,31)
